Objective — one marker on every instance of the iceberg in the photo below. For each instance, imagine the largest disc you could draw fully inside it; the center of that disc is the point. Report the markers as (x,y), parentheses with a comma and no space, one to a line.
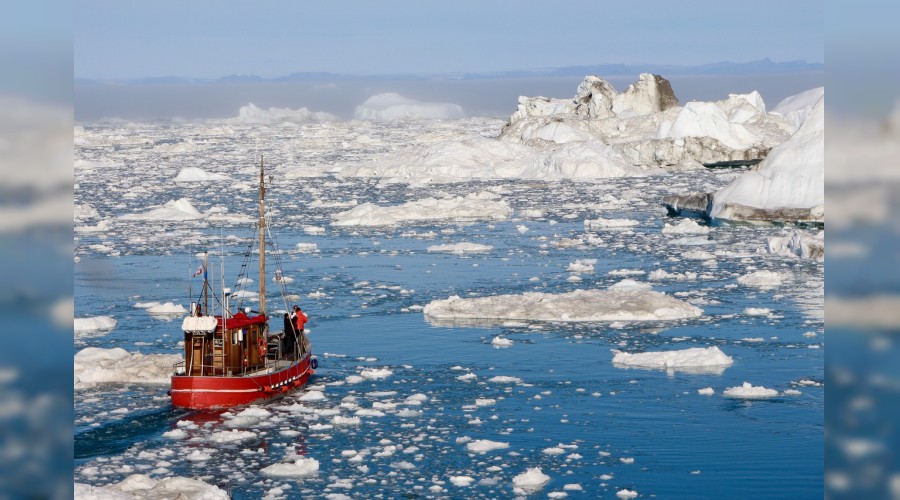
(252,114)
(789,185)
(645,125)
(627,300)
(392,107)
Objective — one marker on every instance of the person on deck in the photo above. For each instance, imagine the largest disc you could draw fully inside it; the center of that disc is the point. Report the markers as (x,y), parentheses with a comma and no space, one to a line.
(300,318)
(290,335)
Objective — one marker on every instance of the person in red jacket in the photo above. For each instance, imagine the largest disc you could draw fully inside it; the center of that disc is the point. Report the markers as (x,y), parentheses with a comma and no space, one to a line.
(300,318)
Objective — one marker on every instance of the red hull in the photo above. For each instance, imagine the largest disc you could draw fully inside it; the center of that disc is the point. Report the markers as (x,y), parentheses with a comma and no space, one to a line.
(224,392)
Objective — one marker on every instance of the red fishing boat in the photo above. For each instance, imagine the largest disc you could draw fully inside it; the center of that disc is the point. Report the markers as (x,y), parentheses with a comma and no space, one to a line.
(233,359)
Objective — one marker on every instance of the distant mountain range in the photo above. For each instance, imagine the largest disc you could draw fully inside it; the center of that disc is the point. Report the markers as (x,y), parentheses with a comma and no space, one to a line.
(761,66)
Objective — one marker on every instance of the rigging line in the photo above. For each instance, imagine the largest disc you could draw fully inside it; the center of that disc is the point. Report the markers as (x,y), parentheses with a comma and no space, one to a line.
(278,266)
(247,257)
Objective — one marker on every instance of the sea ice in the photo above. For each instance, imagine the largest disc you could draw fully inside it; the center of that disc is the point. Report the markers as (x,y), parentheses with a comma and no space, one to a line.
(195,174)
(531,480)
(696,357)
(798,244)
(139,486)
(485,445)
(172,211)
(461,248)
(301,467)
(476,206)
(93,365)
(748,391)
(687,226)
(501,342)
(762,279)
(627,300)
(94,324)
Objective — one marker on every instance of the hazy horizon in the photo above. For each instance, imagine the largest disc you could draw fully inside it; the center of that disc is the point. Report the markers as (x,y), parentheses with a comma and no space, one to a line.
(487,97)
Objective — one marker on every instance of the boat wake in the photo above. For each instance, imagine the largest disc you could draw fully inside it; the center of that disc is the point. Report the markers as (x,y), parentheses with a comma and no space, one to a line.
(118,436)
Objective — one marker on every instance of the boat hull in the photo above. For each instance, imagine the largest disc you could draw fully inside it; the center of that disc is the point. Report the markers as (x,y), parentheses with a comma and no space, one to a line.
(207,392)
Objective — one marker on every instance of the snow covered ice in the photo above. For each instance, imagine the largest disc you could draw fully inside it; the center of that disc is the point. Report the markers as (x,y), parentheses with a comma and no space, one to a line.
(627,300)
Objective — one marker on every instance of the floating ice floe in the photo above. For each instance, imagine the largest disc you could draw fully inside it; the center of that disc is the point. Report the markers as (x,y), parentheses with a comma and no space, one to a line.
(476,206)
(687,226)
(172,211)
(501,342)
(798,244)
(461,481)
(696,360)
(94,324)
(706,391)
(461,248)
(627,300)
(195,174)
(762,279)
(582,266)
(301,467)
(93,365)
(167,309)
(602,223)
(138,486)
(485,445)
(391,107)
(626,493)
(531,480)
(748,391)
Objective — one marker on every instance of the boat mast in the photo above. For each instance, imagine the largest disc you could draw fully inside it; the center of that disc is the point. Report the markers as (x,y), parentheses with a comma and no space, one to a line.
(262,238)
(205,286)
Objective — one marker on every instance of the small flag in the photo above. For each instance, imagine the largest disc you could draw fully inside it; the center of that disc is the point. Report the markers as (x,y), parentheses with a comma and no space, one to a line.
(198,272)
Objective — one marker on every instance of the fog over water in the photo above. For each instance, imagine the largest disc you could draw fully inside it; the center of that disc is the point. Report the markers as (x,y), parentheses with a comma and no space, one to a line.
(478,97)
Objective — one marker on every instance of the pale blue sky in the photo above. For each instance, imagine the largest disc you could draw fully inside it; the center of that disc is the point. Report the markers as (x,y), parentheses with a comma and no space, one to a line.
(205,38)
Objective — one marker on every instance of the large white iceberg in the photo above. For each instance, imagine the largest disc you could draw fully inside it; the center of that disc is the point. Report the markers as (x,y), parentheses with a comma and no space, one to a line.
(646,126)
(627,300)
(788,185)
(391,106)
